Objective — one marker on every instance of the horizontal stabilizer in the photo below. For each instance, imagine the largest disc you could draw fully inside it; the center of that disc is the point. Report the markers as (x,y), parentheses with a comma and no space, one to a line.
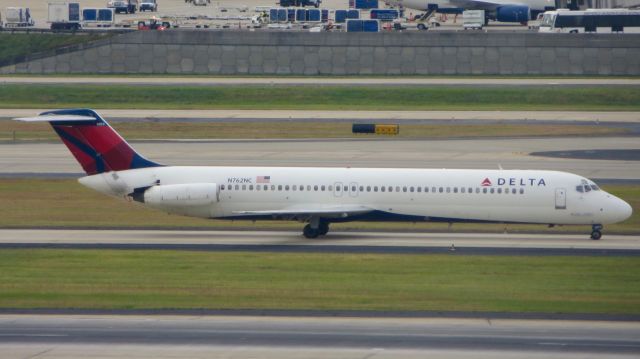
(55,118)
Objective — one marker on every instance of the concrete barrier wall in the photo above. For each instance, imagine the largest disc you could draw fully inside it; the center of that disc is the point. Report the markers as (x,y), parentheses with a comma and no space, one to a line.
(297,53)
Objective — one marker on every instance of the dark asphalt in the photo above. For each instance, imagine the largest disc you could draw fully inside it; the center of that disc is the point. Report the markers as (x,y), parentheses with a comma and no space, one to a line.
(365,249)
(609,155)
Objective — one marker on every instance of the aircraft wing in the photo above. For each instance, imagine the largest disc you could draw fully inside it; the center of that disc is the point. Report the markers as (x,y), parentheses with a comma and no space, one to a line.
(339,211)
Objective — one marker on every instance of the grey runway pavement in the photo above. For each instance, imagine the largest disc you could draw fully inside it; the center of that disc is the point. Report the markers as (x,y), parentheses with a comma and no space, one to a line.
(28,336)
(473,154)
(383,242)
(270,115)
(315,81)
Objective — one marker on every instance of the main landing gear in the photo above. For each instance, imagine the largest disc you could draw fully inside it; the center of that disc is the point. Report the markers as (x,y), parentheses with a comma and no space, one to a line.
(596,233)
(315,228)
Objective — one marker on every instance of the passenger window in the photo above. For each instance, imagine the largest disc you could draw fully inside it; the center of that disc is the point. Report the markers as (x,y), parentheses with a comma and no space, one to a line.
(375,188)
(448,189)
(286,188)
(390,189)
(309,187)
(440,189)
(477,190)
(250,187)
(222,187)
(279,187)
(302,187)
(426,189)
(462,189)
(353,188)
(383,188)
(521,190)
(265,187)
(294,187)
(455,189)
(513,191)
(433,189)
(368,188)
(470,190)
(493,191)
(499,190)
(330,188)
(244,187)
(419,189)
(273,187)
(484,190)
(257,188)
(404,189)
(410,189)
(397,188)
(345,188)
(237,187)
(361,188)
(322,188)
(315,188)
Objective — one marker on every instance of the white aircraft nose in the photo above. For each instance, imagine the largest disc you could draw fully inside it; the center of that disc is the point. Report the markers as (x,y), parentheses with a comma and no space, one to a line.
(621,210)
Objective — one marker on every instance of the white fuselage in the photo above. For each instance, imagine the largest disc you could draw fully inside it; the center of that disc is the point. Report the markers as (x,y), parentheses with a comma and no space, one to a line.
(524,196)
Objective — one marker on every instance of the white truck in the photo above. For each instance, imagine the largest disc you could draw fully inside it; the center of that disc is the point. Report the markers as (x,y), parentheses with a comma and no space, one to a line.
(473,19)
(64,16)
(125,6)
(18,17)
(148,5)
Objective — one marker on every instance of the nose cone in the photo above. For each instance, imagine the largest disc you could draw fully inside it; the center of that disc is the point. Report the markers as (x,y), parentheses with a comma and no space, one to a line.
(621,210)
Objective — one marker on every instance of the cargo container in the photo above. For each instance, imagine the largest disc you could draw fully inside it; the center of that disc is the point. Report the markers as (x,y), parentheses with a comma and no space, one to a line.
(64,16)
(324,15)
(353,14)
(301,15)
(98,17)
(314,15)
(363,25)
(363,4)
(291,15)
(384,14)
(340,16)
(18,17)
(473,19)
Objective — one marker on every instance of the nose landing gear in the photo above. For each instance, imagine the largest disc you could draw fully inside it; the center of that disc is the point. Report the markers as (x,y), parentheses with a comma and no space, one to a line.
(596,233)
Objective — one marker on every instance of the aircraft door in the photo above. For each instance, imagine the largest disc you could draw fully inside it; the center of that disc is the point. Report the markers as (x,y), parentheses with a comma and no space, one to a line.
(337,189)
(353,189)
(561,198)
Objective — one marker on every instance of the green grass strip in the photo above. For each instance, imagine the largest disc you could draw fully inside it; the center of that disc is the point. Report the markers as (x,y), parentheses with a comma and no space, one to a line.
(581,98)
(170,279)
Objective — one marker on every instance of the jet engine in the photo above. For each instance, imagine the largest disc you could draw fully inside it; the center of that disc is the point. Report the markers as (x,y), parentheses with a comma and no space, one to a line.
(193,199)
(513,13)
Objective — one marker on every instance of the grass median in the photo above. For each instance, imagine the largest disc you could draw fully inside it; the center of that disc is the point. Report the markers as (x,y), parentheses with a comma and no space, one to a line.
(143,130)
(372,98)
(110,279)
(16,46)
(64,203)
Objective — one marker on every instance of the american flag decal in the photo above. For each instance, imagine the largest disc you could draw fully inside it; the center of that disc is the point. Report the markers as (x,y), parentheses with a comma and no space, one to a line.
(263,179)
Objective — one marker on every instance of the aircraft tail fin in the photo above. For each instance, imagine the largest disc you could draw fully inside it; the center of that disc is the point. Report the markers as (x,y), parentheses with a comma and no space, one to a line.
(96,145)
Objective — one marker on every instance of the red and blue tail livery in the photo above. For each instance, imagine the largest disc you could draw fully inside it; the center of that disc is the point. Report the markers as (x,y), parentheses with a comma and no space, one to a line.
(97,147)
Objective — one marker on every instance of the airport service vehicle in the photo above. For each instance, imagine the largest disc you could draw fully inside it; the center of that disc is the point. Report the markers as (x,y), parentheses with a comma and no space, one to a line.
(473,19)
(64,16)
(148,5)
(125,6)
(18,17)
(520,11)
(593,20)
(321,196)
(201,2)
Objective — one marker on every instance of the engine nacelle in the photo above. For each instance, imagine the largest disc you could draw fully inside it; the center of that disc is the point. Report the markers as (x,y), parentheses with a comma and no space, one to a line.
(193,199)
(513,13)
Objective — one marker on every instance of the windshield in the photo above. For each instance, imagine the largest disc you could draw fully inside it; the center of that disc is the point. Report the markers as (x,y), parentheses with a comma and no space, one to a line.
(586,186)
(548,20)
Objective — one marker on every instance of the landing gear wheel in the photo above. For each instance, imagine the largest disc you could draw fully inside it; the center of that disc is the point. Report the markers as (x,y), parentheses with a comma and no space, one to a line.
(309,232)
(323,229)
(596,233)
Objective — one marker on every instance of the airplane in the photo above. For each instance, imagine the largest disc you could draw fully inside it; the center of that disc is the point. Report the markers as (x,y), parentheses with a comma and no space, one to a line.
(499,10)
(321,196)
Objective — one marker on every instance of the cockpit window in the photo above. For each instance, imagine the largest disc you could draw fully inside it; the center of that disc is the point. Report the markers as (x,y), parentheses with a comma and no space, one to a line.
(579,188)
(595,188)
